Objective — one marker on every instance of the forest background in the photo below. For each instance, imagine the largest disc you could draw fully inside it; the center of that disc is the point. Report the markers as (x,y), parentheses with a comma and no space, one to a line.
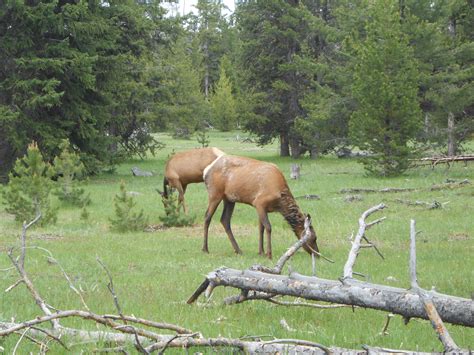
(393,78)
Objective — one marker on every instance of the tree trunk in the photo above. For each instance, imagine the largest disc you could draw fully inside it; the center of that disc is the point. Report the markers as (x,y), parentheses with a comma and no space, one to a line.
(454,310)
(314,153)
(451,136)
(284,145)
(295,145)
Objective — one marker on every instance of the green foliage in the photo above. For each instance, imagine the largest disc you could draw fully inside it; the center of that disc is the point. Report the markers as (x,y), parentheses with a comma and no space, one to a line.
(181,104)
(126,219)
(277,37)
(385,86)
(203,138)
(84,214)
(78,70)
(223,104)
(173,216)
(69,168)
(28,191)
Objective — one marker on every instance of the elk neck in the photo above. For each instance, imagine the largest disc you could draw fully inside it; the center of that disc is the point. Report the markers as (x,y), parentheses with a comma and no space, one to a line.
(292,213)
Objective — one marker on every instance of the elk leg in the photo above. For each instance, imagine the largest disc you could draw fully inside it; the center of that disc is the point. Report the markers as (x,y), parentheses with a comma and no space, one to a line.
(175,183)
(262,214)
(261,229)
(211,209)
(225,220)
(181,198)
(181,191)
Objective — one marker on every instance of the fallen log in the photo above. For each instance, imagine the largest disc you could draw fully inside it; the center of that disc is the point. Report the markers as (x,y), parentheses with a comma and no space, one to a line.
(433,161)
(454,310)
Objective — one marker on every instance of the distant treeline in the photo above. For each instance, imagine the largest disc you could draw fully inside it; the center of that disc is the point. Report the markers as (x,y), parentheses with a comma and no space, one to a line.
(389,77)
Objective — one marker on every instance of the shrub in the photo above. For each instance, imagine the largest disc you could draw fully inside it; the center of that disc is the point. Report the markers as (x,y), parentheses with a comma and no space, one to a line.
(173,216)
(28,192)
(126,218)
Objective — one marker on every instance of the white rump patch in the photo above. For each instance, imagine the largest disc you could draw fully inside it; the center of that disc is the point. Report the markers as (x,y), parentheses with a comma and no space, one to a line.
(217,152)
(206,170)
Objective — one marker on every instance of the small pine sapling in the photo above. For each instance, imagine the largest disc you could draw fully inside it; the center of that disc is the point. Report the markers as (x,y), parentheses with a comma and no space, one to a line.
(28,191)
(203,138)
(69,168)
(84,214)
(173,216)
(126,218)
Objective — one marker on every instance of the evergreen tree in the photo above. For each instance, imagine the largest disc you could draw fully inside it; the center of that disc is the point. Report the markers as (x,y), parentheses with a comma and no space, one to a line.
(276,39)
(385,87)
(69,169)
(329,104)
(181,105)
(126,219)
(76,70)
(28,191)
(449,87)
(223,105)
(209,26)
(173,216)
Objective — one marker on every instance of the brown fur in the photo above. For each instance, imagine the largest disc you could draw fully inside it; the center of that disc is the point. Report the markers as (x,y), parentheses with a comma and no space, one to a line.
(262,185)
(187,167)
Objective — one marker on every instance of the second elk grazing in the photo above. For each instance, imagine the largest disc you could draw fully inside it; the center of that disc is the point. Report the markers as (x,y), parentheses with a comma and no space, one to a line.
(262,185)
(187,167)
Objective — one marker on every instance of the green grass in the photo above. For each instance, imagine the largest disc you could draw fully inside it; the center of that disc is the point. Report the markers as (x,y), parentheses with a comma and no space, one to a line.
(155,272)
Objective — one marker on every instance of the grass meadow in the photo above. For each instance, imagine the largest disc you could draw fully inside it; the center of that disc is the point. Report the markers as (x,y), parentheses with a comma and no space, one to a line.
(154,273)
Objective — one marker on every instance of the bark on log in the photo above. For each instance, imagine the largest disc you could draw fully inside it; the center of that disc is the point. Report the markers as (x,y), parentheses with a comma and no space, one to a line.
(454,310)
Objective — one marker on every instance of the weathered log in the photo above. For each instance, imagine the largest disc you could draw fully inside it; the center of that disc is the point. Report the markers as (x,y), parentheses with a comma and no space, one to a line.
(454,310)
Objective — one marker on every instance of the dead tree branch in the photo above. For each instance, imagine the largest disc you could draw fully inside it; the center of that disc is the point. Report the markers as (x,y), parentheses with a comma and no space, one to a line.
(453,310)
(430,308)
(363,226)
(19,265)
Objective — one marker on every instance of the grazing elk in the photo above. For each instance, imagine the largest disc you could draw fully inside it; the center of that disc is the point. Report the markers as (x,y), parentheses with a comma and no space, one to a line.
(187,167)
(262,185)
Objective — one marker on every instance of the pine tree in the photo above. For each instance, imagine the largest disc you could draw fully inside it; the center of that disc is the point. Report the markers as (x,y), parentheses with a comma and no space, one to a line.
(77,70)
(276,37)
(223,105)
(173,216)
(28,191)
(385,86)
(69,168)
(126,219)
(181,104)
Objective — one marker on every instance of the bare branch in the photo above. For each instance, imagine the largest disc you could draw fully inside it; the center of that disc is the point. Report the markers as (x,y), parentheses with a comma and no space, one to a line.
(110,286)
(8,289)
(262,296)
(19,265)
(360,234)
(149,323)
(430,308)
(23,238)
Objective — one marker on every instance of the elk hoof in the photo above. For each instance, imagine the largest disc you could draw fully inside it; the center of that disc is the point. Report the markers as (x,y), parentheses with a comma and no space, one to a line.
(205,250)
(238,251)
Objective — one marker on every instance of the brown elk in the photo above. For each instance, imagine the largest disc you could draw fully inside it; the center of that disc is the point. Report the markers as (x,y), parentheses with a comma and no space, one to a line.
(187,167)
(260,184)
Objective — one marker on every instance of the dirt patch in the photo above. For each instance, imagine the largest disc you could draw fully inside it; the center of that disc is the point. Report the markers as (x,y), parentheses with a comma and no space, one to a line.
(458,237)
